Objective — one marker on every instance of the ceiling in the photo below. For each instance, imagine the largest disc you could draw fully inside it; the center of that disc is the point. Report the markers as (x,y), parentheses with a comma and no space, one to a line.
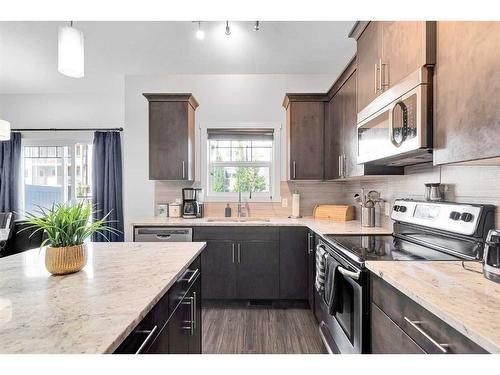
(28,51)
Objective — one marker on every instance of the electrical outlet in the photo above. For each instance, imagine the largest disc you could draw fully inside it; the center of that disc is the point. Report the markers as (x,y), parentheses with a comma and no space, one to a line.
(387,207)
(284,202)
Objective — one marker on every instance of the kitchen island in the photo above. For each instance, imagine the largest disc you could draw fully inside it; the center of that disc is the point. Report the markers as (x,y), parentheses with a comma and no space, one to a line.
(94,310)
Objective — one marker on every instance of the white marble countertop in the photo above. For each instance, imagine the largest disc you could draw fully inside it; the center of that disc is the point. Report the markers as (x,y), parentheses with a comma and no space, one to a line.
(321,227)
(90,311)
(463,298)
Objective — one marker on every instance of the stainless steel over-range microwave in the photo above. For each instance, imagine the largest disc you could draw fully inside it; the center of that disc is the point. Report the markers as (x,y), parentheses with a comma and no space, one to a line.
(395,129)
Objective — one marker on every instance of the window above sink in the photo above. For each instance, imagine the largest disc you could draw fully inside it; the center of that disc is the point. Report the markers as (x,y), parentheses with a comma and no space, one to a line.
(240,158)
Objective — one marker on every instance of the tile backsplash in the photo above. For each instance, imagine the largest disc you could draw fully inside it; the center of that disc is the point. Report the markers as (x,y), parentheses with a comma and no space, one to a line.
(466,184)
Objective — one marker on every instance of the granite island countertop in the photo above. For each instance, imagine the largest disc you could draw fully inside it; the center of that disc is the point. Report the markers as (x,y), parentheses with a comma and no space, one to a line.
(91,311)
(321,227)
(460,296)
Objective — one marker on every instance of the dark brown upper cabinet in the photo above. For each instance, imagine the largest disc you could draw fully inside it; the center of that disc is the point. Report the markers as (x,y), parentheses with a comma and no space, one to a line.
(341,133)
(171,136)
(388,51)
(305,121)
(467,85)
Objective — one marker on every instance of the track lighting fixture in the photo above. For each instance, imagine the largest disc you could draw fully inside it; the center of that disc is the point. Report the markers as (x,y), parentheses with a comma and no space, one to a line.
(228,29)
(256,26)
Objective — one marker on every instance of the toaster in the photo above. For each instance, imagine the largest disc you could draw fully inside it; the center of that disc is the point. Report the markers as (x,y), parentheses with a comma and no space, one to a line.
(491,258)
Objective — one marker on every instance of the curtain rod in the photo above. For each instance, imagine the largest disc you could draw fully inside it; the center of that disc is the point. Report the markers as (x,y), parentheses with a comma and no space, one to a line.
(67,130)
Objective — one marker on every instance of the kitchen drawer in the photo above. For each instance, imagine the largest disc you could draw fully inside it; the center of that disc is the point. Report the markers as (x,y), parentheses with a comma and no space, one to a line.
(146,332)
(427,330)
(235,233)
(388,338)
(183,283)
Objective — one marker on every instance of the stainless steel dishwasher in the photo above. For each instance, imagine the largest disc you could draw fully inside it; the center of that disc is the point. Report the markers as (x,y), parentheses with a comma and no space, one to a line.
(162,234)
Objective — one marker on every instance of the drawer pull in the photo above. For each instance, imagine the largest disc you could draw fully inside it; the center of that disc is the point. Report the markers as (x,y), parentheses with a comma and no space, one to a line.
(146,340)
(193,275)
(415,324)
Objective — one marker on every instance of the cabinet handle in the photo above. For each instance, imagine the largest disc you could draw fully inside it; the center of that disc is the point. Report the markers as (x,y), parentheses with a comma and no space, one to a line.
(415,324)
(344,174)
(384,77)
(146,340)
(376,78)
(294,170)
(194,311)
(193,275)
(239,253)
(309,243)
(380,75)
(340,167)
(233,252)
(183,169)
(191,313)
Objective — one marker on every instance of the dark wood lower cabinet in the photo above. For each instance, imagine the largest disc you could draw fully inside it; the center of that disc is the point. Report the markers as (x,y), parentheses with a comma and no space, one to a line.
(257,275)
(293,263)
(388,338)
(254,263)
(219,265)
(400,325)
(173,326)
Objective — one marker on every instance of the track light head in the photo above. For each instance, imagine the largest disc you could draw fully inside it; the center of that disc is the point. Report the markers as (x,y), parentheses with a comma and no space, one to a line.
(256,26)
(228,29)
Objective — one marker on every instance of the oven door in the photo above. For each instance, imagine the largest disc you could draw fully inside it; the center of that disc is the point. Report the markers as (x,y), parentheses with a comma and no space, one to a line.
(342,331)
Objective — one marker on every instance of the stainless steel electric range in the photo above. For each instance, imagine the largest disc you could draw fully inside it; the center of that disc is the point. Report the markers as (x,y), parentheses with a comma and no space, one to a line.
(425,231)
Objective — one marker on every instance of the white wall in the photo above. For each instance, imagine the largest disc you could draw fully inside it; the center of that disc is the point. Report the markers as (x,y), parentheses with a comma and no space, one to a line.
(223,99)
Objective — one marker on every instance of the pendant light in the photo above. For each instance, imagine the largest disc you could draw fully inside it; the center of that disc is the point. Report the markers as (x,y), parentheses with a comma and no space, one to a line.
(4,130)
(200,34)
(70,51)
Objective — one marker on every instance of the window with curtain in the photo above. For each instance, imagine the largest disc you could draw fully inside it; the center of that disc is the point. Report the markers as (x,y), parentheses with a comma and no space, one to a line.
(240,160)
(56,172)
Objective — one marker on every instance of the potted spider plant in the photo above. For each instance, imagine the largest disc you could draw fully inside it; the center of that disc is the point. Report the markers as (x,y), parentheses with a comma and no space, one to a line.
(67,226)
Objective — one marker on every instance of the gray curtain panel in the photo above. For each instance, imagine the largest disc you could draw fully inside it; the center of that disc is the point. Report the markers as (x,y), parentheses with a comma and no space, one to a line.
(107,182)
(10,171)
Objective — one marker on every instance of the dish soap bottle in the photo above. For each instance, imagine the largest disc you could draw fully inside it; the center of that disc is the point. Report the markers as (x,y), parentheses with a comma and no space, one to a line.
(227,211)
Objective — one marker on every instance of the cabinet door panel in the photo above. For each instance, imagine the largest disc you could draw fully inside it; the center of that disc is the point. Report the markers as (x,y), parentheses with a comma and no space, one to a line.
(349,129)
(467,83)
(403,48)
(333,137)
(311,268)
(293,263)
(195,339)
(168,140)
(369,53)
(219,270)
(388,338)
(306,140)
(178,329)
(258,270)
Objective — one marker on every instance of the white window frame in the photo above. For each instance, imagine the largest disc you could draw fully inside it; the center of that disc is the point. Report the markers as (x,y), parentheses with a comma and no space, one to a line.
(43,140)
(275,176)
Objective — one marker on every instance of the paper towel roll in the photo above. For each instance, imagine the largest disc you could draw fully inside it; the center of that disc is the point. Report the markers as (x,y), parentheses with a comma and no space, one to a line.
(295,205)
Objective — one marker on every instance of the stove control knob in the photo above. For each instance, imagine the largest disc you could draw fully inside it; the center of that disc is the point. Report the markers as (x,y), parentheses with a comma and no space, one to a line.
(467,217)
(396,208)
(402,208)
(454,215)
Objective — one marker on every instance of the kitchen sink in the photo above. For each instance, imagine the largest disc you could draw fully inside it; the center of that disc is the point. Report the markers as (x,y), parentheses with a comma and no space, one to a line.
(237,220)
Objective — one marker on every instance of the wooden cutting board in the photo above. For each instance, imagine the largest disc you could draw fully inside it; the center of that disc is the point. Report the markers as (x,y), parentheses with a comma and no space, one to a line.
(334,212)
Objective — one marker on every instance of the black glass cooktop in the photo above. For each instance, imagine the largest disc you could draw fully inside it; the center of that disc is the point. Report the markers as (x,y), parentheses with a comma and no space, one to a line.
(386,248)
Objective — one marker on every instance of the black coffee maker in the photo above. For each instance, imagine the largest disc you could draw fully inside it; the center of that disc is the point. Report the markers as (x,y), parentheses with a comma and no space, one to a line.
(191,206)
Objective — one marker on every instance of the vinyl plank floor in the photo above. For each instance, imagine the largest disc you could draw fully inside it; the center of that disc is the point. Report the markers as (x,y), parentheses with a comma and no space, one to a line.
(243,330)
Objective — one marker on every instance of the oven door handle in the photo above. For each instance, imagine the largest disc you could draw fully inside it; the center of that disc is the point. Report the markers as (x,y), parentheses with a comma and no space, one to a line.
(351,274)
(322,326)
